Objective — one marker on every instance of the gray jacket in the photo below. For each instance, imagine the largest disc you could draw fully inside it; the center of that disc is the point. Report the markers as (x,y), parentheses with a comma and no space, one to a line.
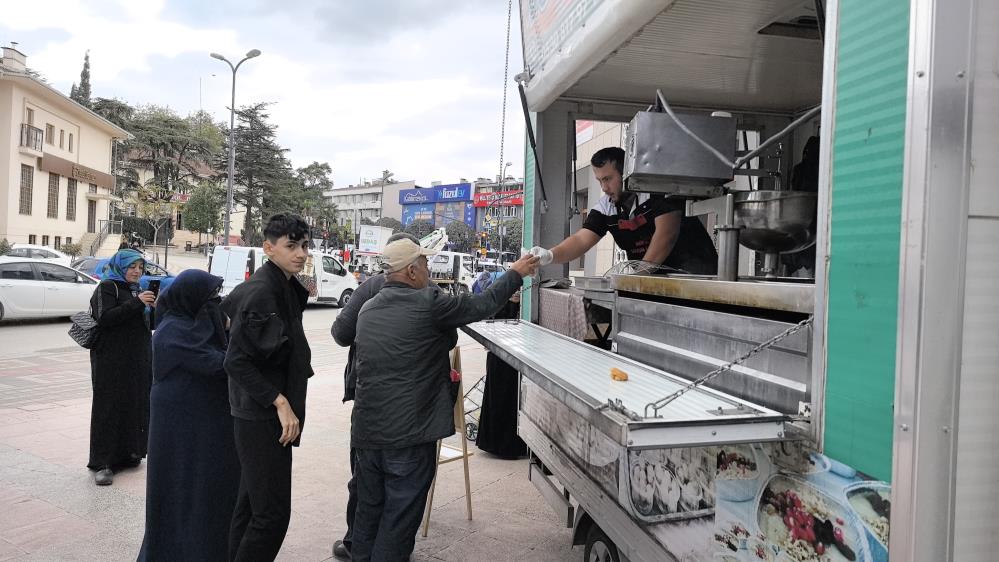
(403,370)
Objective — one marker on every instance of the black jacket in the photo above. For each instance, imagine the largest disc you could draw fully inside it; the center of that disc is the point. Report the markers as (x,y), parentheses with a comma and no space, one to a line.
(268,353)
(403,370)
(344,328)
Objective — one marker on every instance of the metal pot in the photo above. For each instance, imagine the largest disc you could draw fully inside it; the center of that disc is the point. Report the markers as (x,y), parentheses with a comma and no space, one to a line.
(775,221)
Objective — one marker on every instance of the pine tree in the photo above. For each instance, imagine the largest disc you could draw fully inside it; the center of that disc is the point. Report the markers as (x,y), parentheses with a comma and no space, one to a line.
(81,94)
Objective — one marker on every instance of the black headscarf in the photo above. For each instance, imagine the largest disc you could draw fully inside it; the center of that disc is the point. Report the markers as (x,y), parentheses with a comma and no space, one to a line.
(190,337)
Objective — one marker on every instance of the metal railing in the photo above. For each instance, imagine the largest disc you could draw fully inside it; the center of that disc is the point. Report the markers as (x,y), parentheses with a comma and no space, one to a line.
(108,227)
(32,137)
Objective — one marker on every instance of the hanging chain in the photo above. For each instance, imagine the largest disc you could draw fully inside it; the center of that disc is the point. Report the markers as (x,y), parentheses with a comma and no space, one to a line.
(663,402)
(506,76)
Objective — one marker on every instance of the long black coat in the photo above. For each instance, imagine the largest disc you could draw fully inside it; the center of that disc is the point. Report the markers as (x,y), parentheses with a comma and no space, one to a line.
(192,476)
(120,373)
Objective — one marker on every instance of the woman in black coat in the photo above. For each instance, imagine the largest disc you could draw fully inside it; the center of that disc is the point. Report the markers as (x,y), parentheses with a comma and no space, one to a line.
(120,368)
(192,476)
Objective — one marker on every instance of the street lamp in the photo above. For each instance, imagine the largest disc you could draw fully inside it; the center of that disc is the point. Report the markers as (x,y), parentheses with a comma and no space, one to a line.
(232,134)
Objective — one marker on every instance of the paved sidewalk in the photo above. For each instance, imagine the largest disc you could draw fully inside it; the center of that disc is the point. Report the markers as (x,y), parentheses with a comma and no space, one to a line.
(51,510)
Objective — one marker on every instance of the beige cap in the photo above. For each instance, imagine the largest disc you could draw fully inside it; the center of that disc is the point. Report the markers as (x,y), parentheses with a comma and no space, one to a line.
(401,253)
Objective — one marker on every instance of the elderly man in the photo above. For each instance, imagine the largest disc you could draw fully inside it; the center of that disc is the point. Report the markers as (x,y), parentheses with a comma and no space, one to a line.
(404,403)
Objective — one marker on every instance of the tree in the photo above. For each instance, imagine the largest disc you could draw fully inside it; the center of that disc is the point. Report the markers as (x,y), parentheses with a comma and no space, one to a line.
(365,221)
(512,239)
(5,247)
(203,211)
(72,249)
(81,94)
(389,222)
(114,110)
(420,228)
(460,236)
(316,179)
(155,206)
(263,176)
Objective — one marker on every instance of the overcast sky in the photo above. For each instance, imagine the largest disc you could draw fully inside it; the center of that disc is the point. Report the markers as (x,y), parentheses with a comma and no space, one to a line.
(413,86)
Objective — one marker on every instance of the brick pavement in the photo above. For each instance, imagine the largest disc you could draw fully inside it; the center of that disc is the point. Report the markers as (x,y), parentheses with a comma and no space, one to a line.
(51,510)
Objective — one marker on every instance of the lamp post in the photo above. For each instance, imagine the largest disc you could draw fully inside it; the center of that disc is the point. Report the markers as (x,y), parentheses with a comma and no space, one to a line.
(232,135)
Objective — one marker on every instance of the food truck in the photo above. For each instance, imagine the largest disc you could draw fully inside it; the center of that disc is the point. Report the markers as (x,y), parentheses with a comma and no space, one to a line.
(843,414)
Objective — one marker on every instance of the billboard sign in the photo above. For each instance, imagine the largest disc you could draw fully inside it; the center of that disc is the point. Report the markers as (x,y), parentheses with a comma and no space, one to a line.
(423,212)
(417,196)
(453,192)
(500,198)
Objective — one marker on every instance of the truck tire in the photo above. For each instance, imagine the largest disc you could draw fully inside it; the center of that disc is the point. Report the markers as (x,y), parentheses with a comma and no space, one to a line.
(345,298)
(599,548)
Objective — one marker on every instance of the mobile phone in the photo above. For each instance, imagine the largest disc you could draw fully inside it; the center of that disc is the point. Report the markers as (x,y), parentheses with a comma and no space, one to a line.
(154,286)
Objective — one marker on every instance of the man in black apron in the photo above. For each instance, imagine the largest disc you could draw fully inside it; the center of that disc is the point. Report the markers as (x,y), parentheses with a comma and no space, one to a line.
(649,227)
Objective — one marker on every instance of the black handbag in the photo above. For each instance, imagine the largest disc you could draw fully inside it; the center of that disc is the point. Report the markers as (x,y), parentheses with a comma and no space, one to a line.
(84,330)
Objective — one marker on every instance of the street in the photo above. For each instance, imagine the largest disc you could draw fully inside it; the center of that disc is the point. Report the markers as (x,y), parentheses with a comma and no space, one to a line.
(50,508)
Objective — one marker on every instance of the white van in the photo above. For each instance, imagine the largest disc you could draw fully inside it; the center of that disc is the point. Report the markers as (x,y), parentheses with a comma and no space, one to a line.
(328,283)
(442,266)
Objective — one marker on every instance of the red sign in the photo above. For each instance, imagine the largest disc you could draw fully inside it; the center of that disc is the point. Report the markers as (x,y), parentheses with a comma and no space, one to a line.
(499,198)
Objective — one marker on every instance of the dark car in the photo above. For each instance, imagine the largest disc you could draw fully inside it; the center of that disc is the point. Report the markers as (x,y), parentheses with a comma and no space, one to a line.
(93,267)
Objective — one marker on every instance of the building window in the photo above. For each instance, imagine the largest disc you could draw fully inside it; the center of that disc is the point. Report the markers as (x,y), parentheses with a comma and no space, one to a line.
(29,116)
(179,225)
(32,239)
(58,242)
(62,138)
(71,142)
(70,198)
(69,239)
(45,239)
(27,183)
(53,208)
(49,134)
(93,188)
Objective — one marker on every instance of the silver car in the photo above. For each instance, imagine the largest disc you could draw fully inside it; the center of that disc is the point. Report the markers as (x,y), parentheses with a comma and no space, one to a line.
(36,289)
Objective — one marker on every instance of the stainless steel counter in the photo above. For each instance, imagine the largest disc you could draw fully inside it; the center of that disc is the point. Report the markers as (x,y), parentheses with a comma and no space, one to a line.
(578,375)
(766,294)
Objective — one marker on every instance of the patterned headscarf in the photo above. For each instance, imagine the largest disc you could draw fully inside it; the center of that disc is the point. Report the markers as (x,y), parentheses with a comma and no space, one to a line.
(119,263)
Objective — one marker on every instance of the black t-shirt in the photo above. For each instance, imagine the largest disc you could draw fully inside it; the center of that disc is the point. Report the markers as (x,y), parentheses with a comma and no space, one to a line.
(634,221)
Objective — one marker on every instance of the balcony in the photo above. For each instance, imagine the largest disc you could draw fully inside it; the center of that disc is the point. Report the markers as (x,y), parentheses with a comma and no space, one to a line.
(32,139)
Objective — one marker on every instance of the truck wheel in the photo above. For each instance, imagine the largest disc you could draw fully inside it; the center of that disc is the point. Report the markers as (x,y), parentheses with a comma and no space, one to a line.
(345,298)
(462,288)
(471,431)
(599,548)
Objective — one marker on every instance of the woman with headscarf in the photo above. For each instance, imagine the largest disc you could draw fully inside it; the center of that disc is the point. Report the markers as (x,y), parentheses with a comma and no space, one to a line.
(192,475)
(120,368)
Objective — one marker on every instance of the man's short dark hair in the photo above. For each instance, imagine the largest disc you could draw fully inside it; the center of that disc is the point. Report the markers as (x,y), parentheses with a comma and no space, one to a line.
(285,224)
(609,154)
(403,236)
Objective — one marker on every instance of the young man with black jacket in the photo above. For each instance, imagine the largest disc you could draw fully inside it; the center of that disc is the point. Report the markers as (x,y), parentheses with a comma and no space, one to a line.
(403,403)
(269,364)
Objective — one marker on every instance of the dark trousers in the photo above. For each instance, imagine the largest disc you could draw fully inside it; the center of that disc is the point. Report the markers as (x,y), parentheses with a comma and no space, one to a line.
(392,488)
(351,500)
(263,506)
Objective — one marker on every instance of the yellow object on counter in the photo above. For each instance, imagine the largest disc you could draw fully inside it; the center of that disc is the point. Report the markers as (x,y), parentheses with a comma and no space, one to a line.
(618,374)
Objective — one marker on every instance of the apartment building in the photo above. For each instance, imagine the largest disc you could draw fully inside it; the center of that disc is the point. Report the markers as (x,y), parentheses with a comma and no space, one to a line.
(55,159)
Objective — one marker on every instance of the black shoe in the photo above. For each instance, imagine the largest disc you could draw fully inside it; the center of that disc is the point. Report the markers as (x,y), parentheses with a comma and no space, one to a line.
(340,551)
(104,476)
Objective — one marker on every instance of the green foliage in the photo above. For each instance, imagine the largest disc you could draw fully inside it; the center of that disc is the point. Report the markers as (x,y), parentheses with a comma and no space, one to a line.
(5,247)
(365,221)
(145,230)
(81,94)
(460,236)
(73,249)
(203,211)
(114,110)
(420,228)
(389,222)
(512,240)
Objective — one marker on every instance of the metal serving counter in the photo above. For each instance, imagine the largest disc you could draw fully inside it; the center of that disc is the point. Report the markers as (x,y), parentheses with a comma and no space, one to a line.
(578,375)
(772,295)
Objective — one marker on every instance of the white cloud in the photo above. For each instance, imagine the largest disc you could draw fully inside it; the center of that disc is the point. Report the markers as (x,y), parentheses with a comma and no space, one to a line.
(422,100)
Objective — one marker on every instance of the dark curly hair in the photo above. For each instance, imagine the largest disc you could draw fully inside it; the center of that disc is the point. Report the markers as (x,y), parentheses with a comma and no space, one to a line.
(285,224)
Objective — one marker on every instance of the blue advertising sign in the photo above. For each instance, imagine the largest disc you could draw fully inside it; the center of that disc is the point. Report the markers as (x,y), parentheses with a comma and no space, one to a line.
(417,196)
(462,211)
(424,212)
(453,192)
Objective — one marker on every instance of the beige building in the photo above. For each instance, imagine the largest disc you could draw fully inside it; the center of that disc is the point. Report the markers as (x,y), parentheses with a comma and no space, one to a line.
(356,202)
(56,162)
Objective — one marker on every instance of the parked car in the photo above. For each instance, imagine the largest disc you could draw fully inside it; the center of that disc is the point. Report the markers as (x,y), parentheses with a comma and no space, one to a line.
(41,253)
(36,289)
(94,266)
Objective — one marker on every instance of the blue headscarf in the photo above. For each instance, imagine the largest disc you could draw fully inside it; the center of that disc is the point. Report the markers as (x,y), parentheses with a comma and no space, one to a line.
(190,337)
(119,263)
